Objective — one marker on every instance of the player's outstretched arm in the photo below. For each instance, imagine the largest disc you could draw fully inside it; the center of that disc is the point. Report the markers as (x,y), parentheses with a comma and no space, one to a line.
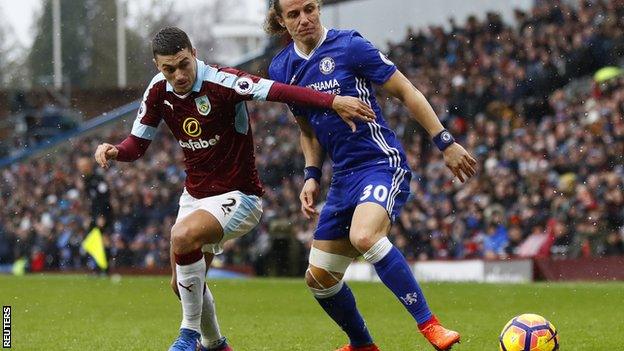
(313,153)
(457,159)
(348,108)
(130,149)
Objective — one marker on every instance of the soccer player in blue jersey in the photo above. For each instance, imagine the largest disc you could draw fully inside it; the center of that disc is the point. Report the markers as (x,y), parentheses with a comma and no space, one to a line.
(371,177)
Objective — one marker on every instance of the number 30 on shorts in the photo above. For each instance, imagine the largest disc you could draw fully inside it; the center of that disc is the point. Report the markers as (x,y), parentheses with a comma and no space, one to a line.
(380,193)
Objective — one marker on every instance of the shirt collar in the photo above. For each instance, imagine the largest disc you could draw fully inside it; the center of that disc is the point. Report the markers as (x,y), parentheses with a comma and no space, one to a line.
(199,78)
(307,57)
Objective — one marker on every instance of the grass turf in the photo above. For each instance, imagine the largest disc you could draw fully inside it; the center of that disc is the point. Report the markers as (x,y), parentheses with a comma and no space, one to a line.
(69,312)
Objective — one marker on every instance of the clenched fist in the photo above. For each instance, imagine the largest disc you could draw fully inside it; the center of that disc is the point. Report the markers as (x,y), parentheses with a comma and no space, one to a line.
(105,152)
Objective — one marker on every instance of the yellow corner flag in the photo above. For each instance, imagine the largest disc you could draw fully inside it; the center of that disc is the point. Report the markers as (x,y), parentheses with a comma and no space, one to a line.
(19,266)
(94,246)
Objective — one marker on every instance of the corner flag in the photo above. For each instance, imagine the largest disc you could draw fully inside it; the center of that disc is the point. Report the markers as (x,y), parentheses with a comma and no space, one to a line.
(19,266)
(94,246)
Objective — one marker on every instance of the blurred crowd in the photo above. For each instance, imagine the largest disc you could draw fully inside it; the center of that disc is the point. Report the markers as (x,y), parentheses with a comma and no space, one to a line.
(549,140)
(32,118)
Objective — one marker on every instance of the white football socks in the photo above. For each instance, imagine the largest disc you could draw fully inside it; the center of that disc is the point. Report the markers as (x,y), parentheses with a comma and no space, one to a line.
(191,281)
(211,335)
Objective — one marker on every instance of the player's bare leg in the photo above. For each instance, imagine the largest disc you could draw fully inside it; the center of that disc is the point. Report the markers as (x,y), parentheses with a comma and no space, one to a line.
(329,260)
(187,237)
(369,227)
(211,338)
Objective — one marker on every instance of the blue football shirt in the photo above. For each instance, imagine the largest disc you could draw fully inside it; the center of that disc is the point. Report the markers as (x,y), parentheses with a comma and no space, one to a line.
(343,63)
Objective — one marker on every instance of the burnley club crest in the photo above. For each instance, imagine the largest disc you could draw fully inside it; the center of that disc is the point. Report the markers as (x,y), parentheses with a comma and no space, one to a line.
(203,105)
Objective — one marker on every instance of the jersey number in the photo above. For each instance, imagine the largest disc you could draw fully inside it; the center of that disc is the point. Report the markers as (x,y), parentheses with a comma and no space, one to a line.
(227,207)
(380,193)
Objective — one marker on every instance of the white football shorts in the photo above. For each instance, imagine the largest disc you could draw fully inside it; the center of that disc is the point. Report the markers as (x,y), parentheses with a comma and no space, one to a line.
(237,212)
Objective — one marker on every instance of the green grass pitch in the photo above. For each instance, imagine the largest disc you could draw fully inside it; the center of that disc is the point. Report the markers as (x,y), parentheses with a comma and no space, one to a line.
(70,312)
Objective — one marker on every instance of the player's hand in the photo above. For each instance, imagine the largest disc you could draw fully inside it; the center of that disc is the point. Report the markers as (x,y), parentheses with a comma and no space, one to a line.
(350,109)
(308,196)
(460,162)
(105,152)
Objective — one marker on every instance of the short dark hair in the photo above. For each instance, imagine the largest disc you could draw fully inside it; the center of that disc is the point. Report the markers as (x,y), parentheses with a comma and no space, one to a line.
(170,41)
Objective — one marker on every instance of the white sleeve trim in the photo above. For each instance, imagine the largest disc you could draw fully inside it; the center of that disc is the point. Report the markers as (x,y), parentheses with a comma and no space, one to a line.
(143,131)
(261,89)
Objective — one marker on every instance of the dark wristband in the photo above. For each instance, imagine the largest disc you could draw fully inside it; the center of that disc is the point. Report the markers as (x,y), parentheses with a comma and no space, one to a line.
(443,140)
(312,172)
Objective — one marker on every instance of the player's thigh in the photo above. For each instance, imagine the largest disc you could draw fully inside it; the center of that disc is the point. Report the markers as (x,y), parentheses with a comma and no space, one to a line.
(387,187)
(382,193)
(197,228)
(370,223)
(341,246)
(198,217)
(238,214)
(335,218)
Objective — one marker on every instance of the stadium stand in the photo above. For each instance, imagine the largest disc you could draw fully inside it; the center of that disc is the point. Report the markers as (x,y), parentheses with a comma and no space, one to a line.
(549,140)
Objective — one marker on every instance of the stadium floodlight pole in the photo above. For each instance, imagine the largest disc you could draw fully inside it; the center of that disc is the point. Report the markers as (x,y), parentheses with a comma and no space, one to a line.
(56,44)
(121,44)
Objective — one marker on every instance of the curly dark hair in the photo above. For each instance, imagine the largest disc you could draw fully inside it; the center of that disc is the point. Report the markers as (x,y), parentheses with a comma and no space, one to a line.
(271,24)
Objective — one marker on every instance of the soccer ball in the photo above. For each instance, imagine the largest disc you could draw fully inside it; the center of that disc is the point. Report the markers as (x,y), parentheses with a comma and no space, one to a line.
(529,332)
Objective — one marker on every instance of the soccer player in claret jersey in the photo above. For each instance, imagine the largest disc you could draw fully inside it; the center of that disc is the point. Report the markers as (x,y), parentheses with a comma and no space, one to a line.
(371,177)
(204,106)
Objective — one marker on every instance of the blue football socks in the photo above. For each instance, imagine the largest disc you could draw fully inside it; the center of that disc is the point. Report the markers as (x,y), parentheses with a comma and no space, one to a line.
(342,309)
(396,274)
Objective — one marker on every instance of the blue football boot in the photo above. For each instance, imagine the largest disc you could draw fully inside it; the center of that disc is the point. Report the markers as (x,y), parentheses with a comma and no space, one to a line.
(188,340)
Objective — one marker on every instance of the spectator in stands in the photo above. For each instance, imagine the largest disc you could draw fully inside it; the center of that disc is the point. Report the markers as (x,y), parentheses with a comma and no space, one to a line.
(495,241)
(615,244)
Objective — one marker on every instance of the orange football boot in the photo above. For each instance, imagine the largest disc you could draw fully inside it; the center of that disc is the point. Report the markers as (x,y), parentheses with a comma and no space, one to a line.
(441,338)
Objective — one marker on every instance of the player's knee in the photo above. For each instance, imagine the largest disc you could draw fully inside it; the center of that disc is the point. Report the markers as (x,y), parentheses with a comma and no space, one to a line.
(325,272)
(318,278)
(310,280)
(181,238)
(362,239)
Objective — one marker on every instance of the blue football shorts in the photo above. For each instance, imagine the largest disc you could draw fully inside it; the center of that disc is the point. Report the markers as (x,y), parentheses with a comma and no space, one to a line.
(388,187)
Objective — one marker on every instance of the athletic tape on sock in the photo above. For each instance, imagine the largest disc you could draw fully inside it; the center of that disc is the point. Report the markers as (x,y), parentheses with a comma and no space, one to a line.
(378,251)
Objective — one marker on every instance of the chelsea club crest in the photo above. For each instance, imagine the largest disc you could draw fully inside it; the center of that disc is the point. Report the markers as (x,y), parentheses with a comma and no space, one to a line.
(327,65)
(203,105)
